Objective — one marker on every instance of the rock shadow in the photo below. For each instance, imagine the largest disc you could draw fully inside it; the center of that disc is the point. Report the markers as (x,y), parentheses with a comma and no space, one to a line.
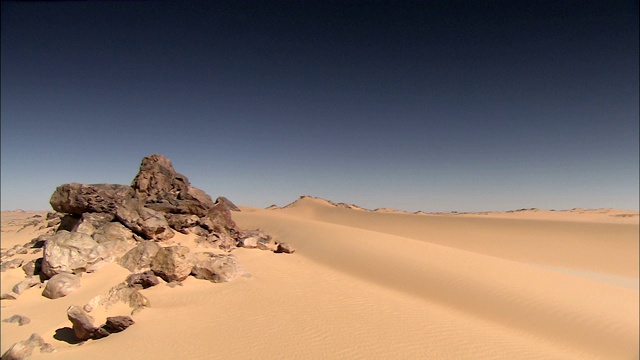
(67,335)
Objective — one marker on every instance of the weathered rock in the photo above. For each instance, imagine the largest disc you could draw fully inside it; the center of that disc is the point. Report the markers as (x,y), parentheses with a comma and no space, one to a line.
(285,248)
(25,284)
(71,252)
(223,200)
(115,237)
(163,189)
(216,268)
(90,222)
(11,264)
(83,326)
(61,285)
(20,319)
(82,198)
(222,241)
(267,244)
(33,267)
(172,263)
(142,280)
(146,222)
(123,293)
(69,222)
(181,222)
(140,256)
(22,350)
(116,324)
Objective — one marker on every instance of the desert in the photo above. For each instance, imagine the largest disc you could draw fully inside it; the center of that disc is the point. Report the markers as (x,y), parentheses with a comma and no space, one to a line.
(313,279)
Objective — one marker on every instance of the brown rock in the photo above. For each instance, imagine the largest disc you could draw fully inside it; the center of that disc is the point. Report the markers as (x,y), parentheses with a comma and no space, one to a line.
(223,200)
(216,268)
(81,198)
(22,350)
(20,319)
(285,248)
(10,264)
(172,263)
(61,285)
(116,324)
(83,326)
(148,223)
(143,280)
(140,256)
(25,284)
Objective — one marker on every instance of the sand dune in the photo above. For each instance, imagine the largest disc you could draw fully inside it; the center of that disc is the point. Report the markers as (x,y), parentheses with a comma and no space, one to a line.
(381,285)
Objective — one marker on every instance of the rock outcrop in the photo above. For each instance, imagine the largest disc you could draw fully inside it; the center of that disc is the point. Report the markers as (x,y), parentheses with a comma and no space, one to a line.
(78,199)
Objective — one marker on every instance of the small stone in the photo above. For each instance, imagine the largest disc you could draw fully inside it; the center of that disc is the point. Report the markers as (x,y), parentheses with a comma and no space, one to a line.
(20,319)
(117,324)
(285,248)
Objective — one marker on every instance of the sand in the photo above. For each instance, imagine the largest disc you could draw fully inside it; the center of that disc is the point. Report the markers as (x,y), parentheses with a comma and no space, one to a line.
(383,284)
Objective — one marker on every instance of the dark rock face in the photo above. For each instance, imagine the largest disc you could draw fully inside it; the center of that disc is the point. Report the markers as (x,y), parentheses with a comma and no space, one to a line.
(82,198)
(143,280)
(116,324)
(223,200)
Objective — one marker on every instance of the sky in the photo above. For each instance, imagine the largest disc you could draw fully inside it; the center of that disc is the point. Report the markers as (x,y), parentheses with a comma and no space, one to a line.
(413,105)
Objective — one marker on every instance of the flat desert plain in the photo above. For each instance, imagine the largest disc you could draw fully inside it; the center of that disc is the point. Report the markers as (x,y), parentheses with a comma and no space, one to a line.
(529,284)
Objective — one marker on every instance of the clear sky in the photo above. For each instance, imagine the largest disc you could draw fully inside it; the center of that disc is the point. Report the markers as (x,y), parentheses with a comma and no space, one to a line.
(433,106)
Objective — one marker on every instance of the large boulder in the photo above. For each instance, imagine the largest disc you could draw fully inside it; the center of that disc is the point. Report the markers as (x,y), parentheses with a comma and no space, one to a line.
(61,285)
(148,223)
(77,198)
(71,252)
(115,237)
(216,268)
(139,258)
(172,263)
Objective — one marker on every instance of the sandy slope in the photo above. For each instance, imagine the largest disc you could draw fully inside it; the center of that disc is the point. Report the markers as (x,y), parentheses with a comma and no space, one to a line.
(382,285)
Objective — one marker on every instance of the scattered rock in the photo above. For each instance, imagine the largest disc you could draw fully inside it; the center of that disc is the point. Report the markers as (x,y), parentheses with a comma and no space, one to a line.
(116,324)
(172,263)
(216,268)
(20,319)
(25,284)
(139,257)
(83,198)
(23,349)
(83,326)
(71,252)
(11,264)
(61,285)
(285,248)
(123,293)
(143,280)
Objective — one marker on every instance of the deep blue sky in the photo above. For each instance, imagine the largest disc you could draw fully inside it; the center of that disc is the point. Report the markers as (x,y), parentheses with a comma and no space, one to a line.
(434,106)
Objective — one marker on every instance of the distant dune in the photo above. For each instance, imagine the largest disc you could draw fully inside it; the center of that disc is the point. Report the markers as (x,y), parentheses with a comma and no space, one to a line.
(382,284)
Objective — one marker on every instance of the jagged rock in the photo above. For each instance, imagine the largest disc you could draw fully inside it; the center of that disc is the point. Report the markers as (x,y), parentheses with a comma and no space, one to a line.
(22,350)
(163,189)
(116,324)
(83,326)
(140,256)
(142,280)
(285,248)
(221,241)
(10,264)
(223,200)
(172,263)
(148,223)
(77,198)
(115,237)
(123,293)
(218,222)
(71,252)
(25,284)
(257,239)
(216,268)
(181,222)
(197,230)
(20,319)
(267,244)
(61,285)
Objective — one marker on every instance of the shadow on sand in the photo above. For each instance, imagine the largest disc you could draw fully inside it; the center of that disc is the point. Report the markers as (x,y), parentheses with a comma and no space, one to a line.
(67,335)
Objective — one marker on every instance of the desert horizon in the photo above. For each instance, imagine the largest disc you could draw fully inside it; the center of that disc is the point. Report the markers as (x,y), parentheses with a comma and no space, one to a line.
(313,279)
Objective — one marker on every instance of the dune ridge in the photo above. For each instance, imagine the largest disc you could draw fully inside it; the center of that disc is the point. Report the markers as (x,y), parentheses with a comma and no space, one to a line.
(383,285)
